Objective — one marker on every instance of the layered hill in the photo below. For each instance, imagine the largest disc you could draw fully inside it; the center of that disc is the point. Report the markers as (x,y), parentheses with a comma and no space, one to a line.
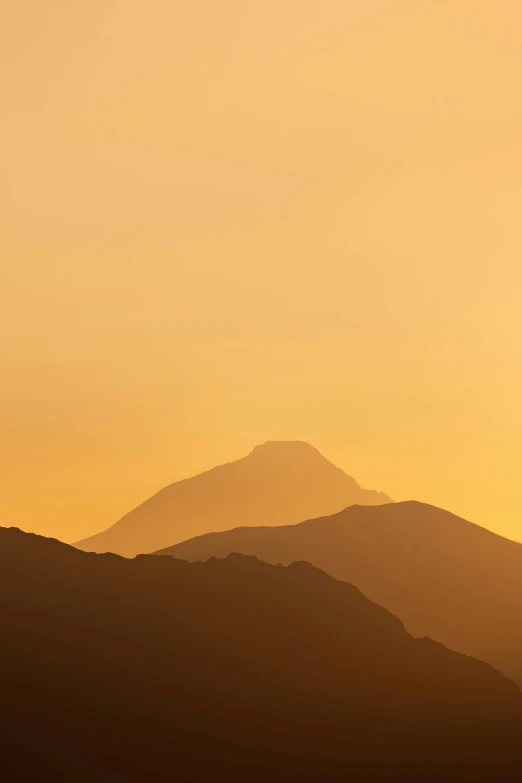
(443,576)
(158,669)
(278,483)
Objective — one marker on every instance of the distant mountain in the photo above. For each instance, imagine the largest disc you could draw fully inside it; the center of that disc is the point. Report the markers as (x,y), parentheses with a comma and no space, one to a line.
(444,577)
(154,669)
(279,483)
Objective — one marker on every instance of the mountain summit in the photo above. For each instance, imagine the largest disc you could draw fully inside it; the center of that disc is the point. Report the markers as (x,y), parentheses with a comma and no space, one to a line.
(278,483)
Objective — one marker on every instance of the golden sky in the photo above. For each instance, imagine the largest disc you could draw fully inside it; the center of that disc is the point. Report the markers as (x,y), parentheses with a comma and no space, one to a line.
(228,222)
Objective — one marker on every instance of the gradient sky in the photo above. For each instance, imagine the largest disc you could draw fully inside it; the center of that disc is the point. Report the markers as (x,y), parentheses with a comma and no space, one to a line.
(228,222)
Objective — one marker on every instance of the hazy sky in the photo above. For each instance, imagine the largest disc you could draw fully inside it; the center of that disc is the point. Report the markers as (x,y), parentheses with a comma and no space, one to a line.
(228,222)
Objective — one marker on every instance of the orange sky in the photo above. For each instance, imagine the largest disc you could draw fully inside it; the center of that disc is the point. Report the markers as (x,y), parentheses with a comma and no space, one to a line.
(224,223)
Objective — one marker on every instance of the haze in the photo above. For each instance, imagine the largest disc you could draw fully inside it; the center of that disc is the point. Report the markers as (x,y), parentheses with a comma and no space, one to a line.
(224,223)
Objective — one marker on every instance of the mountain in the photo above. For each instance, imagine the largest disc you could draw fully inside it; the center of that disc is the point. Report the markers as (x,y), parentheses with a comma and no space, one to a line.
(127,671)
(278,483)
(443,576)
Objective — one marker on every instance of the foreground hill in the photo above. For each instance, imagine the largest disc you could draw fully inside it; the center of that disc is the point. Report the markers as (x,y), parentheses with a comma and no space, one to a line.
(444,577)
(157,669)
(279,483)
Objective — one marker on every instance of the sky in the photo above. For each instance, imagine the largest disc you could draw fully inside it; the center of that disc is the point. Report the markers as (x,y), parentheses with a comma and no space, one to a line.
(226,223)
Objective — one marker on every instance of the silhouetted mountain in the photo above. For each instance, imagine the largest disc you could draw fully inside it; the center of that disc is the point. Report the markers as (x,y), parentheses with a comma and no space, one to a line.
(155,669)
(278,483)
(444,577)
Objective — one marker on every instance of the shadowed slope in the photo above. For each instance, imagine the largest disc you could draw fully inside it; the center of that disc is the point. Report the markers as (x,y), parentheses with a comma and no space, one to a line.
(157,669)
(281,482)
(443,576)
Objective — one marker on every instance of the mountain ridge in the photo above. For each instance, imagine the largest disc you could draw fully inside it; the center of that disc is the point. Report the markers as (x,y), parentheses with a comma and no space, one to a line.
(444,576)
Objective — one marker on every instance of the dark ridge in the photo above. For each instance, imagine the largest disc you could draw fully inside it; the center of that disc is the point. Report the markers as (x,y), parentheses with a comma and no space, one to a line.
(159,669)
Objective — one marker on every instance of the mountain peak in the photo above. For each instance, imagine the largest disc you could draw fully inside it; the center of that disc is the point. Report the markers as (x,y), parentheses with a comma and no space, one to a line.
(278,483)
